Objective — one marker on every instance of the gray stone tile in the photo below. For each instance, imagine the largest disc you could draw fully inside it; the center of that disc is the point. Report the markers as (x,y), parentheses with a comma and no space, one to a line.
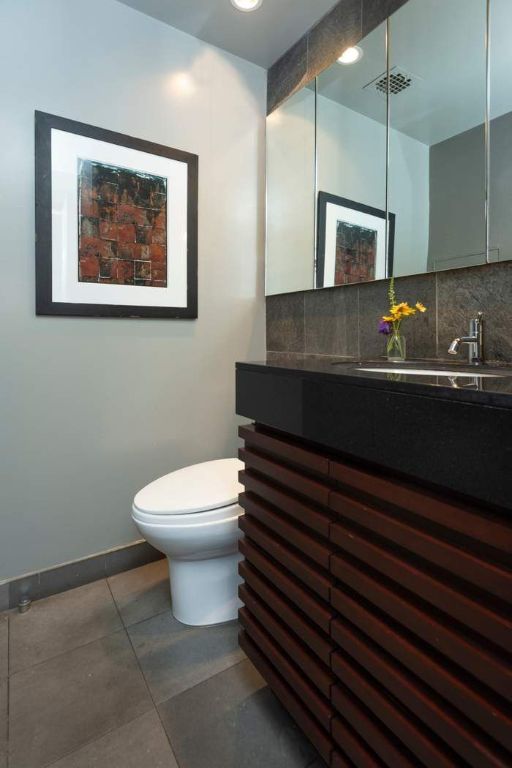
(139,744)
(3,722)
(142,592)
(66,702)
(331,320)
(338,30)
(419,331)
(242,725)
(464,292)
(4,645)
(72,575)
(285,322)
(175,657)
(60,623)
(287,74)
(375,11)
(4,597)
(133,556)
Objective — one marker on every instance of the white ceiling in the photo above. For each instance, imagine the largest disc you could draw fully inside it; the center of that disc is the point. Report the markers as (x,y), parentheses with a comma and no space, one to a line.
(441,44)
(261,36)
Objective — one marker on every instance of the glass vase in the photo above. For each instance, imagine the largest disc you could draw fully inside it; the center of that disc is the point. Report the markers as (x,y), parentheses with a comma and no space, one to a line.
(395,348)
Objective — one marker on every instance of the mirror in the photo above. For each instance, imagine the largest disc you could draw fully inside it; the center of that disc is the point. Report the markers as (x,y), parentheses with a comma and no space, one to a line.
(500,131)
(291,194)
(438,93)
(351,177)
(407,153)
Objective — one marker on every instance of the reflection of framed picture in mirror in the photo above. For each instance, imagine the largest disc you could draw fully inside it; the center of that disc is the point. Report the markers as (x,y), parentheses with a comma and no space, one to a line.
(116,224)
(352,242)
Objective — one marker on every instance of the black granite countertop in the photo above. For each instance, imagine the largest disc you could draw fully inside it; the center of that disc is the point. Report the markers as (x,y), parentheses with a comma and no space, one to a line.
(493,391)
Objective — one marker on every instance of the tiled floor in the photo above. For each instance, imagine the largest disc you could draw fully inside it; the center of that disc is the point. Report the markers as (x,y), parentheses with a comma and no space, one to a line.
(104,676)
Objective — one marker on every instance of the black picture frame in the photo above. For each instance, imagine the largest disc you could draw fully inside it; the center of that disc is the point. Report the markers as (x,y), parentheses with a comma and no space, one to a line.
(326,197)
(44,123)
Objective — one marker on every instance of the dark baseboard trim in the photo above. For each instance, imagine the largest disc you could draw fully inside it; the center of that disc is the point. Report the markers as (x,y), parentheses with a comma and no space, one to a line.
(34,586)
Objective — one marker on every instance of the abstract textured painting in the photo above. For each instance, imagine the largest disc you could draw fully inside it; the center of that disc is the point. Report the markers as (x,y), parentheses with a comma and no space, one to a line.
(356,251)
(355,242)
(116,223)
(122,226)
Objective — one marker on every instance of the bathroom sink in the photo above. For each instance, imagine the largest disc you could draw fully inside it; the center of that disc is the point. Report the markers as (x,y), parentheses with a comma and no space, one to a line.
(433,372)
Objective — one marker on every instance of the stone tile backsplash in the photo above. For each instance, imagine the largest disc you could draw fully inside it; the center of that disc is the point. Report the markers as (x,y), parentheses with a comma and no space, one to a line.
(342,321)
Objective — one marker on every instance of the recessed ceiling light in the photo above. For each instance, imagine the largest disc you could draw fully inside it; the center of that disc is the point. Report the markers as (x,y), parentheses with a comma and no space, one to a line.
(351,55)
(246,5)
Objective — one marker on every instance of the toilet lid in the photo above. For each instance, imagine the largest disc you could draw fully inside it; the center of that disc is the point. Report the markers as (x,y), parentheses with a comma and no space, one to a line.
(197,488)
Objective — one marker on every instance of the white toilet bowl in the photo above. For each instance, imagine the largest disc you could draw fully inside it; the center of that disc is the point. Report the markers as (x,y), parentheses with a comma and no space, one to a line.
(191,515)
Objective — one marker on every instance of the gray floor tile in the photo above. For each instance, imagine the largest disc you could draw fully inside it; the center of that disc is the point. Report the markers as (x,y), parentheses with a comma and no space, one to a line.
(142,592)
(139,744)
(4,645)
(234,721)
(60,623)
(175,657)
(66,702)
(3,723)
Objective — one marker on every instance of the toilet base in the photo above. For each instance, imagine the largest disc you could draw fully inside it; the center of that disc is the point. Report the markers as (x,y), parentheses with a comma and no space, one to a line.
(205,591)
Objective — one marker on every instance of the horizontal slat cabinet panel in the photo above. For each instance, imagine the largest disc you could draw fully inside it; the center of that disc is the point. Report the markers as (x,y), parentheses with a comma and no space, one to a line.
(296,481)
(412,694)
(376,608)
(313,547)
(378,738)
(492,626)
(317,704)
(462,518)
(318,673)
(278,597)
(465,565)
(313,576)
(285,450)
(473,658)
(483,711)
(302,511)
(318,736)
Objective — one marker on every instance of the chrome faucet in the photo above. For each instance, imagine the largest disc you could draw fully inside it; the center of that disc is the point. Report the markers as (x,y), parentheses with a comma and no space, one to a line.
(475,341)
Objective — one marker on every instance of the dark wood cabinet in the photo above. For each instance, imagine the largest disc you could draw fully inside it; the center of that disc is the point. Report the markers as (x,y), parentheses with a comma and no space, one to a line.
(377,609)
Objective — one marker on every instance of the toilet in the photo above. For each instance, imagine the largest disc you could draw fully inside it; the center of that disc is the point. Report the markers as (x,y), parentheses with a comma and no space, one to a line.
(191,515)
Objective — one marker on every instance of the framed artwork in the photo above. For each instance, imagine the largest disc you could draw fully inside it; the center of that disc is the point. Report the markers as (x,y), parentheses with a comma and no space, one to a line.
(116,224)
(351,244)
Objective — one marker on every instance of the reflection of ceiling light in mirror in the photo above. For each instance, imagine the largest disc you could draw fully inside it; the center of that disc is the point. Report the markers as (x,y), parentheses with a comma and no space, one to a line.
(351,55)
(246,5)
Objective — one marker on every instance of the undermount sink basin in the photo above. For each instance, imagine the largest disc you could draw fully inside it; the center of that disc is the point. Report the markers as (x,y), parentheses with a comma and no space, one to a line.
(434,372)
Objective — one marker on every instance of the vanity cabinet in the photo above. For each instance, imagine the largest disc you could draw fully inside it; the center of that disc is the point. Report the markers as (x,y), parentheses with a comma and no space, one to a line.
(377,609)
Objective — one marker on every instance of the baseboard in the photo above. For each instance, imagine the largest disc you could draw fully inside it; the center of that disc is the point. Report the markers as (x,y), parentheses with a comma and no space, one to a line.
(34,586)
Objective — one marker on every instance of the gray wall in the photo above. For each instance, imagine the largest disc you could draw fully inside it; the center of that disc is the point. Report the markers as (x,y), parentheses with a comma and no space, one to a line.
(457,196)
(93,409)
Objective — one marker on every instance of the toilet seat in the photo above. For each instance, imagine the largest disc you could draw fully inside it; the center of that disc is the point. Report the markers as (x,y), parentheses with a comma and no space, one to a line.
(195,519)
(192,490)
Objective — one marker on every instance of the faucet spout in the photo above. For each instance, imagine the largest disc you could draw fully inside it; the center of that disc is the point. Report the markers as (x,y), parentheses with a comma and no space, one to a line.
(475,341)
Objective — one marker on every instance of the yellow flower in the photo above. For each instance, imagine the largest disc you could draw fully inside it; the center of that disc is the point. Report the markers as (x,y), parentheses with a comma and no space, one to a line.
(402,310)
(420,307)
(389,318)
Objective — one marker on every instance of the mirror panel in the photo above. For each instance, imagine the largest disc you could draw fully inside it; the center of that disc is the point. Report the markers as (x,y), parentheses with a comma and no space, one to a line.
(500,132)
(351,172)
(404,163)
(291,194)
(437,56)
